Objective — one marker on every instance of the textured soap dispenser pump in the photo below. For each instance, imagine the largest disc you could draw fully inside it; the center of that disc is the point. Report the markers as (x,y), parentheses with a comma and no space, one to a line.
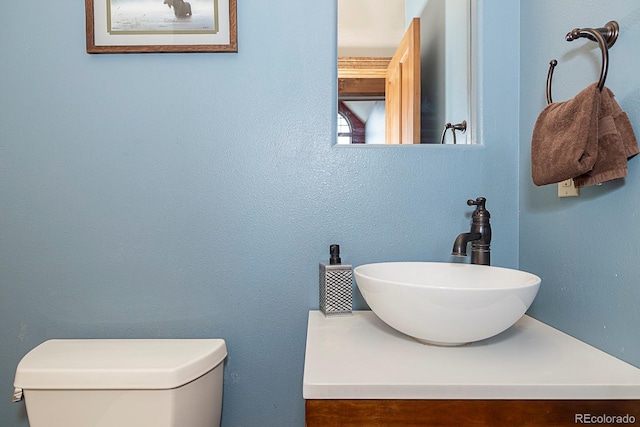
(335,285)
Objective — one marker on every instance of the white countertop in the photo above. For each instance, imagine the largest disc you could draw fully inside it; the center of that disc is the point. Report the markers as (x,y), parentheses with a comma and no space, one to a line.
(360,357)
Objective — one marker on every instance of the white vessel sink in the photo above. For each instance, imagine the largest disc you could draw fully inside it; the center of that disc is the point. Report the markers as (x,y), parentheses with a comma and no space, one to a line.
(446,303)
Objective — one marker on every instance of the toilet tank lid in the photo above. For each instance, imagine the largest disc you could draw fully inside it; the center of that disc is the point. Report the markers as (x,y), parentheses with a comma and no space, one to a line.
(108,364)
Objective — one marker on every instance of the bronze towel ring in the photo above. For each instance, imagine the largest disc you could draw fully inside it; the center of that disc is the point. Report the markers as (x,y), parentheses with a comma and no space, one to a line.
(606,37)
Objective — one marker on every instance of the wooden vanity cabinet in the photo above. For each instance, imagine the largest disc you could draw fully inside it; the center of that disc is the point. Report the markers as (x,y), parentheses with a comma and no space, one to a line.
(361,372)
(470,413)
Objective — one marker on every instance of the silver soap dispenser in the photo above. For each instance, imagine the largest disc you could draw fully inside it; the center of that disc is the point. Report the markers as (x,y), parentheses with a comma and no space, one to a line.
(335,285)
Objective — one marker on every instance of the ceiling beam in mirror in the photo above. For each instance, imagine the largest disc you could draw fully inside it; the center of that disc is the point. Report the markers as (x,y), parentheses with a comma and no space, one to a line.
(369,32)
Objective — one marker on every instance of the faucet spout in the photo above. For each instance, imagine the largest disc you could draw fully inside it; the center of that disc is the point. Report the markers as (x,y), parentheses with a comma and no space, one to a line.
(460,245)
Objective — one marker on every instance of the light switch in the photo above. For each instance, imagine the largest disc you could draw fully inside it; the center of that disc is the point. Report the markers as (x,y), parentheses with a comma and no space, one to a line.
(566,188)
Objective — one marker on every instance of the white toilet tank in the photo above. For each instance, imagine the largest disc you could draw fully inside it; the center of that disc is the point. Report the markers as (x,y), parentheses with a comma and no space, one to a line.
(124,383)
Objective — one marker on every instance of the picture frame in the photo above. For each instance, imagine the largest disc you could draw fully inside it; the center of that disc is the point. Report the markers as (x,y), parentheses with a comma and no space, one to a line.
(141,26)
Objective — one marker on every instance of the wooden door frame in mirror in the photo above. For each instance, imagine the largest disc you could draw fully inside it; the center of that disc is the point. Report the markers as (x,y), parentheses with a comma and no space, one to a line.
(362,76)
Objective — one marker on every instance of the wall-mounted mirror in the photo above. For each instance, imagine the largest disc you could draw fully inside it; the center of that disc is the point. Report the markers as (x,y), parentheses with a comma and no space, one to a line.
(404,71)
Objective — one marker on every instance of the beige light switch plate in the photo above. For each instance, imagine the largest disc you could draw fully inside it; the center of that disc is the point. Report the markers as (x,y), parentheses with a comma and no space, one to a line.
(566,188)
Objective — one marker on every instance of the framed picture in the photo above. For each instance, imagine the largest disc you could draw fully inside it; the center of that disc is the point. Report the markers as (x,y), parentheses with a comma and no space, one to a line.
(146,26)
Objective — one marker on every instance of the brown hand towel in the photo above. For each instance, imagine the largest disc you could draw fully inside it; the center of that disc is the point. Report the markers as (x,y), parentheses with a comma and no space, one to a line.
(616,143)
(565,138)
(623,124)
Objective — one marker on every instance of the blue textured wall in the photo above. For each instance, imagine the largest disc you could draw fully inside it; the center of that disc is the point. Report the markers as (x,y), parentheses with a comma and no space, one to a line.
(193,195)
(586,249)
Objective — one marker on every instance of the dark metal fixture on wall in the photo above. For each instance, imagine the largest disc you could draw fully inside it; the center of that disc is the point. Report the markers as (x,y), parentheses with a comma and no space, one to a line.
(605,37)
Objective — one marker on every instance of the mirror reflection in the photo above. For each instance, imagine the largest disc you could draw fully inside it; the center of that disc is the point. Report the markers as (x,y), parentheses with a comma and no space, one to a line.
(403,71)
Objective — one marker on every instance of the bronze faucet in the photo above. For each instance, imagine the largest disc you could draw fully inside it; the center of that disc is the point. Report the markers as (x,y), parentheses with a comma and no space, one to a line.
(480,235)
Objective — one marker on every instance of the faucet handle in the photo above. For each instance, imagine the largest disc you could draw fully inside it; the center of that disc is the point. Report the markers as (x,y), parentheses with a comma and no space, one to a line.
(479,202)
(481,211)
